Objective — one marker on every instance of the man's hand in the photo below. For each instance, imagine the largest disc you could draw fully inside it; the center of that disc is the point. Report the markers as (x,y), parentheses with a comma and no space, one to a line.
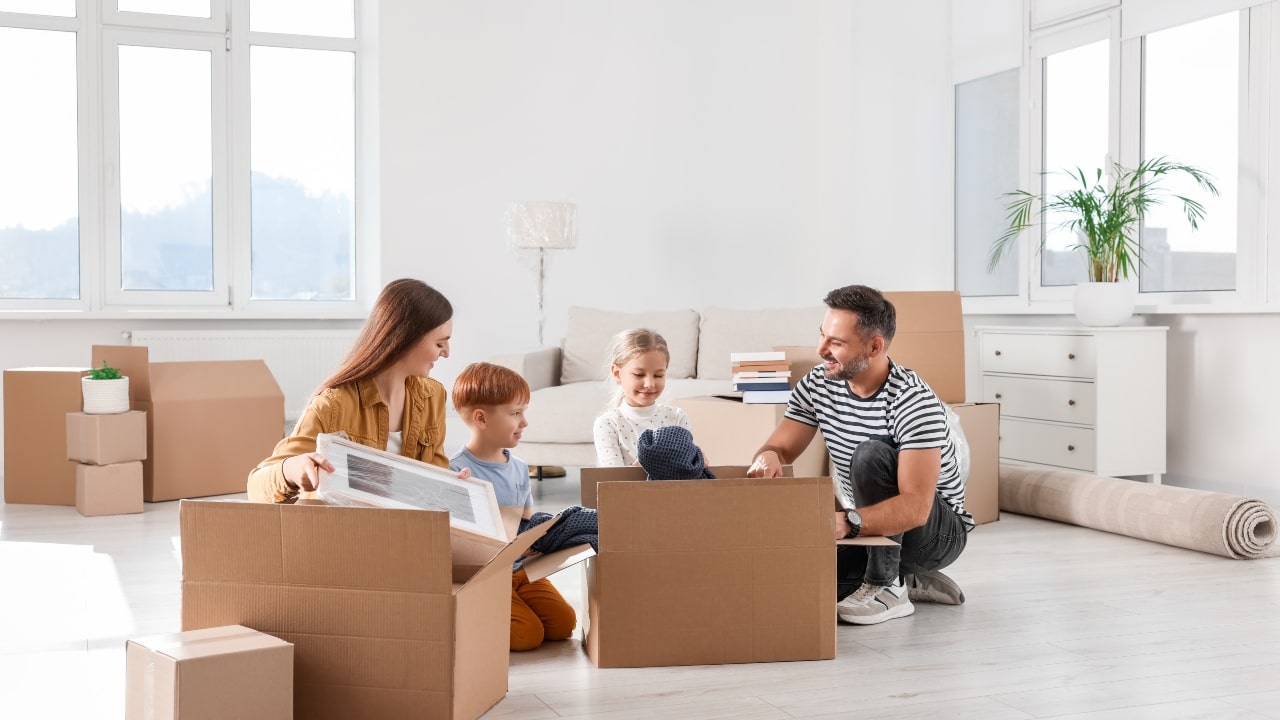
(766,465)
(842,526)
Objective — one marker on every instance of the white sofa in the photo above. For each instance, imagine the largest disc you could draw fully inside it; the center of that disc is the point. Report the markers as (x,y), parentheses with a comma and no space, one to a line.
(571,383)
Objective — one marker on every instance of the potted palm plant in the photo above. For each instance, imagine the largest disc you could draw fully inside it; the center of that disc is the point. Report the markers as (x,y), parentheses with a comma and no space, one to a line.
(1104,212)
(105,391)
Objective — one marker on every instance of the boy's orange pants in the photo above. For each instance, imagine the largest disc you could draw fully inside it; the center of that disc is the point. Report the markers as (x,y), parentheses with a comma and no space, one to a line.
(538,612)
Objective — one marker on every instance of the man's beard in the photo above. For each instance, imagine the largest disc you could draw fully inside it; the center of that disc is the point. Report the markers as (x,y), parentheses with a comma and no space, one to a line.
(853,368)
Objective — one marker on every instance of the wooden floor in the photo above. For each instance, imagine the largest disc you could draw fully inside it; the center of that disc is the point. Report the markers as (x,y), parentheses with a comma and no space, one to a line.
(1060,622)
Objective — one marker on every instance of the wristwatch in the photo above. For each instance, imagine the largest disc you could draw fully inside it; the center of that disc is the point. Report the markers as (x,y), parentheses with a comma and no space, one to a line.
(855,522)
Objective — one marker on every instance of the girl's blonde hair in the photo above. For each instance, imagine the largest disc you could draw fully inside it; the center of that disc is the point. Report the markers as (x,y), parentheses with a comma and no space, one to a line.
(630,344)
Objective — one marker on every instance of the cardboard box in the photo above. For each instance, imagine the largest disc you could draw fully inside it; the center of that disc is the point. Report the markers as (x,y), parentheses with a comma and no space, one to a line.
(729,432)
(391,614)
(109,489)
(930,340)
(107,439)
(36,403)
(208,423)
(214,674)
(705,572)
(981,425)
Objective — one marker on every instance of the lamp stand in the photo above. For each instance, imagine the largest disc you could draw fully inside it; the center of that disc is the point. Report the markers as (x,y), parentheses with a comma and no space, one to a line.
(542,259)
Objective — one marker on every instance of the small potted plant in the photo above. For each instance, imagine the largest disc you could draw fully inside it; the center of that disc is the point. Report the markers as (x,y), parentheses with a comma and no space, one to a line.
(1104,211)
(105,391)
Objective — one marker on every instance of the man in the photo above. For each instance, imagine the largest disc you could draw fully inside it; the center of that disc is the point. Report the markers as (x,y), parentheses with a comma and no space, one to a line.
(894,456)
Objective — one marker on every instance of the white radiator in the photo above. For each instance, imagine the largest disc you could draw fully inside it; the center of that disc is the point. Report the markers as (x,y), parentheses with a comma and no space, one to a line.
(299,359)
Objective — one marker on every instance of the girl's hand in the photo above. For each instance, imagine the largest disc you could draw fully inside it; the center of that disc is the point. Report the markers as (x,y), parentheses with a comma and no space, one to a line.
(303,471)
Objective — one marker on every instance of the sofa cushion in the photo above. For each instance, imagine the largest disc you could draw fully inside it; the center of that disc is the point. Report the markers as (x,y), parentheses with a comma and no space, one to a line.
(726,331)
(567,413)
(590,332)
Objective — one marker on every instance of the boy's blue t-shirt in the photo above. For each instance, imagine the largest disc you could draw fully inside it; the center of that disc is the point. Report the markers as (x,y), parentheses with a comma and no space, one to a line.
(510,480)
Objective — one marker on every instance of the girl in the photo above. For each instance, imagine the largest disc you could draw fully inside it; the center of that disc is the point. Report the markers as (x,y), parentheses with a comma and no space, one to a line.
(381,396)
(638,363)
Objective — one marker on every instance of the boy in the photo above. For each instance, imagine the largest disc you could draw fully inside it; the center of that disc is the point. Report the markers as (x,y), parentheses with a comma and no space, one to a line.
(492,400)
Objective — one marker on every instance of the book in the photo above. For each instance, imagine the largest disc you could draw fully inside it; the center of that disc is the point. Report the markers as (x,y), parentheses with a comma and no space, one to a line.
(740,379)
(765,397)
(761,374)
(761,366)
(767,356)
(761,387)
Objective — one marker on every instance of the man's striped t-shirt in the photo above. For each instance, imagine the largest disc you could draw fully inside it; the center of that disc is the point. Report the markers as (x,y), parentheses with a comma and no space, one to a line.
(904,409)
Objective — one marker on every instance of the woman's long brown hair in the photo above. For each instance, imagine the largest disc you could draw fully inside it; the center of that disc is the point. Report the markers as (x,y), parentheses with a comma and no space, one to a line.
(404,313)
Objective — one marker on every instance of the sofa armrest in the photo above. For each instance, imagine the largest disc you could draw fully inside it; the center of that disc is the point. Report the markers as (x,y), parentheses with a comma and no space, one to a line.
(541,367)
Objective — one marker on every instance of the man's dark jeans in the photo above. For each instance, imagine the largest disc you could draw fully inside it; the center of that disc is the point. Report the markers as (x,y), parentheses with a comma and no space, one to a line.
(873,472)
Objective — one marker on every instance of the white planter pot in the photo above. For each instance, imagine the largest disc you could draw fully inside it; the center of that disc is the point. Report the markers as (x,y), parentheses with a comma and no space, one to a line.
(105,397)
(1105,304)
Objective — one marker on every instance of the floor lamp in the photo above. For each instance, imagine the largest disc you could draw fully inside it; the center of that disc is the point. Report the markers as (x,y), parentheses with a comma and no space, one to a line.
(543,226)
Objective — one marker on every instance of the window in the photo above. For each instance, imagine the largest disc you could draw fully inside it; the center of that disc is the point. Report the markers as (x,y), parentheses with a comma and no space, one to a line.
(180,154)
(986,168)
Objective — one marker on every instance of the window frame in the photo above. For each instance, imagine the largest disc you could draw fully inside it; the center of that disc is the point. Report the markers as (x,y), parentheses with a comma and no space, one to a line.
(100,296)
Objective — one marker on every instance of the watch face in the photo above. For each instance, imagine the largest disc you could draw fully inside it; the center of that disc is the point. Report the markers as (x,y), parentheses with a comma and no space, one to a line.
(854,517)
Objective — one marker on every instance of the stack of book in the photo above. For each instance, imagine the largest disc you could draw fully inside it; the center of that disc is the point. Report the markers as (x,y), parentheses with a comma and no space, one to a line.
(762,377)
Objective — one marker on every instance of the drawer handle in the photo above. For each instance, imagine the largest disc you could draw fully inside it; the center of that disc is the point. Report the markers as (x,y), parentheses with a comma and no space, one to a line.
(998,396)
(997,353)
(1071,448)
(1071,356)
(1071,402)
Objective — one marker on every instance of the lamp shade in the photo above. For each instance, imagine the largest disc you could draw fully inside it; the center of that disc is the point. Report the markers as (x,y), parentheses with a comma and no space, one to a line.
(546,225)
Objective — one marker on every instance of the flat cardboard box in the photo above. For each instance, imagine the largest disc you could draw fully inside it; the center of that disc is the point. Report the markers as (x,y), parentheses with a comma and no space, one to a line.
(729,432)
(213,674)
(981,425)
(391,614)
(109,489)
(208,423)
(107,439)
(705,572)
(930,339)
(36,403)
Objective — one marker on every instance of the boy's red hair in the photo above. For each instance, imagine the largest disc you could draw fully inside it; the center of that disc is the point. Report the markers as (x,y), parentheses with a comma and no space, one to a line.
(485,384)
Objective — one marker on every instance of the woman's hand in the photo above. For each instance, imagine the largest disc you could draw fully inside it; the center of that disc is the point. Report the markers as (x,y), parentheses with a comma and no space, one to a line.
(303,471)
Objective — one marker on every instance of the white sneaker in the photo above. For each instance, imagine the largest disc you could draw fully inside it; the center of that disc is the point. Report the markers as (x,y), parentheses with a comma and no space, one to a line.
(873,604)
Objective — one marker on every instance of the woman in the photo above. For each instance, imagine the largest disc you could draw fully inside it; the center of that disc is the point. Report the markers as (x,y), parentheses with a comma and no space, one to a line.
(381,396)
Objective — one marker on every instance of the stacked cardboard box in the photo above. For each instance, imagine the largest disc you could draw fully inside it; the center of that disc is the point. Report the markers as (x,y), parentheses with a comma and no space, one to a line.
(36,402)
(107,451)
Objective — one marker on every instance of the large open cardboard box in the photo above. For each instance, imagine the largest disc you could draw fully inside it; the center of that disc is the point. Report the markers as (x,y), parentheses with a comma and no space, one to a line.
(208,422)
(705,572)
(36,403)
(392,614)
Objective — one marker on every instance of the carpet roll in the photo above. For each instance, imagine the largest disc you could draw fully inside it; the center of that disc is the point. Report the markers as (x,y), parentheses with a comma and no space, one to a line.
(1211,522)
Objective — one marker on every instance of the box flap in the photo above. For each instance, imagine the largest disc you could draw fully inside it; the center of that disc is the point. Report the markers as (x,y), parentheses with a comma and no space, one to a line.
(590,477)
(540,566)
(213,380)
(506,557)
(132,361)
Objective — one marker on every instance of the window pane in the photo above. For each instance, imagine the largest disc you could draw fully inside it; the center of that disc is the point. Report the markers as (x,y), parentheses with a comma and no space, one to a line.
(166,169)
(184,8)
(303,173)
(1076,86)
(39,214)
(329,18)
(60,8)
(1191,114)
(986,168)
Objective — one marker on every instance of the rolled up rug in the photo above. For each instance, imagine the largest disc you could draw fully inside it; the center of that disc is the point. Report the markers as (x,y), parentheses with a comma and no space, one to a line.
(1211,522)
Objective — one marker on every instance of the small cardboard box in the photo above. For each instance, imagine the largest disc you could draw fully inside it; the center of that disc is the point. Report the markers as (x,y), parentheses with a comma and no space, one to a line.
(729,432)
(36,403)
(930,339)
(705,572)
(392,615)
(107,439)
(109,489)
(208,423)
(981,425)
(213,674)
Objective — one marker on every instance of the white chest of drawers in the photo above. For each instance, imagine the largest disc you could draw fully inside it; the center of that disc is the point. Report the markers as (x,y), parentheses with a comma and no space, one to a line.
(1089,399)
